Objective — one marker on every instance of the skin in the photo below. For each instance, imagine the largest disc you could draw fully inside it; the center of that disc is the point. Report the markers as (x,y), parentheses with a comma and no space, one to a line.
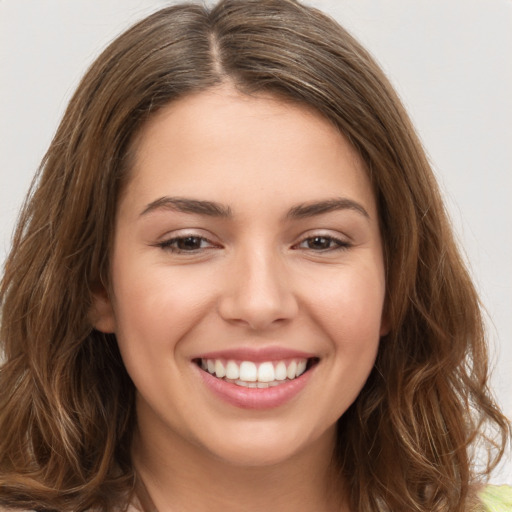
(257,278)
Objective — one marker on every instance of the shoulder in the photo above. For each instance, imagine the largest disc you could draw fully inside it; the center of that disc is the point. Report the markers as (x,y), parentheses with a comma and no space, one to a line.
(497,498)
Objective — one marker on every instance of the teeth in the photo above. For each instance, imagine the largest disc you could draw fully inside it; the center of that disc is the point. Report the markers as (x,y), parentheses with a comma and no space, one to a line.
(254,375)
(220,371)
(301,367)
(291,372)
(248,371)
(266,372)
(232,370)
(280,372)
(260,385)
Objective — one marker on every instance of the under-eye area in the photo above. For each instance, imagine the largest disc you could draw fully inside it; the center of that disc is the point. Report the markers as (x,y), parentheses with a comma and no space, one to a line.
(252,374)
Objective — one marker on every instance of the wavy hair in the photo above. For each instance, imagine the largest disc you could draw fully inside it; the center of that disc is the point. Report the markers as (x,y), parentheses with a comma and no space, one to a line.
(66,401)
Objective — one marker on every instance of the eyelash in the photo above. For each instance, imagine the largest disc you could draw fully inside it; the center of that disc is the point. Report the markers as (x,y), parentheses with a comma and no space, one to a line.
(335,244)
(172,245)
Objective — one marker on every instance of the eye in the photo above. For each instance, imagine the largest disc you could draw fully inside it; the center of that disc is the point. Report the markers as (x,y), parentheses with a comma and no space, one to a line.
(322,243)
(188,243)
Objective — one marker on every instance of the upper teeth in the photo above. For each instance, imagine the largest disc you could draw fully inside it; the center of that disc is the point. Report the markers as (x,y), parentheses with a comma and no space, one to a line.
(249,371)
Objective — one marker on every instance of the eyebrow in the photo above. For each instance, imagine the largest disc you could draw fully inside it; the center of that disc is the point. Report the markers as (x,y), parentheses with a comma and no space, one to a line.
(213,209)
(185,205)
(319,207)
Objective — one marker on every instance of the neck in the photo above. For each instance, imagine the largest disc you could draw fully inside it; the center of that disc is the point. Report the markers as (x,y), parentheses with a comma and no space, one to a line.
(181,477)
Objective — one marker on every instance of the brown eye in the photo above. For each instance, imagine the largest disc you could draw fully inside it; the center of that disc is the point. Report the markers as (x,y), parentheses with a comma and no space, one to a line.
(322,243)
(319,243)
(189,243)
(185,244)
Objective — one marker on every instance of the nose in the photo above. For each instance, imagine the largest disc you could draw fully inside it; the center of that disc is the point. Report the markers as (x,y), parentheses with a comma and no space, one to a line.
(258,291)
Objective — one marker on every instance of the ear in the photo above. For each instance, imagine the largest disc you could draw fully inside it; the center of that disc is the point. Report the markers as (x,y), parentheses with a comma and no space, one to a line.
(101,313)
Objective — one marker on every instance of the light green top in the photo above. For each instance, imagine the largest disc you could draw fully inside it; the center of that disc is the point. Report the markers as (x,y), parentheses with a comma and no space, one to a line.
(497,498)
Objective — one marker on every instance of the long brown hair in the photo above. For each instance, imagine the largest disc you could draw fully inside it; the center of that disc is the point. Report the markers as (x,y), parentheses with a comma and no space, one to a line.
(66,402)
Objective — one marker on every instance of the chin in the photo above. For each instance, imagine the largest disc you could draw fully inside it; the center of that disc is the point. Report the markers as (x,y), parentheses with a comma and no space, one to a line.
(265,447)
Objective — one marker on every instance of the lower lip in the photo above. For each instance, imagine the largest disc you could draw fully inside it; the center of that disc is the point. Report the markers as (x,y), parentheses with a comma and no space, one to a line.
(255,398)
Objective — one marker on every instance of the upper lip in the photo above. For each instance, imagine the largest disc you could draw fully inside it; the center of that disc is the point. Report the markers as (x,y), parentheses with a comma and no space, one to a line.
(256,354)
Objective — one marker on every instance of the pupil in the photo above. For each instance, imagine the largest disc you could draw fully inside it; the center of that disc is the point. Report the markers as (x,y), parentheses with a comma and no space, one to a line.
(188,243)
(319,242)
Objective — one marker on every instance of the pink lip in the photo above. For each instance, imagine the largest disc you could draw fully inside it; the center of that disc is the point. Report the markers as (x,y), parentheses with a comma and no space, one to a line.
(255,398)
(256,354)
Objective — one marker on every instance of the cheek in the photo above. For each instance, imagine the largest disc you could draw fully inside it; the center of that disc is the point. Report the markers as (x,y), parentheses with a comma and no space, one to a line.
(349,305)
(156,305)
(347,311)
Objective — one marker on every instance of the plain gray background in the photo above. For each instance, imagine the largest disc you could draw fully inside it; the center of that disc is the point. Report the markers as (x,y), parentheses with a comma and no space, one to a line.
(450,60)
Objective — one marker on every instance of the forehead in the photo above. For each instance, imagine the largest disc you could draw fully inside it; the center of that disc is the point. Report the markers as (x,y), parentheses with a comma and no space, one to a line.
(241,148)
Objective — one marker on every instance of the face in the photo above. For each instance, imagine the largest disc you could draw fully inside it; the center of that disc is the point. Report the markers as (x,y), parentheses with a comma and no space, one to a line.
(247,278)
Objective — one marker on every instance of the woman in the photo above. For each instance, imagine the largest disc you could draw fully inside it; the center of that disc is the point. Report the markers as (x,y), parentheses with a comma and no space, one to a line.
(234,286)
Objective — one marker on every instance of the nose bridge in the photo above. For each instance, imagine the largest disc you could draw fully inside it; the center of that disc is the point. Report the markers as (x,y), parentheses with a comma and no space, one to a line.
(259,292)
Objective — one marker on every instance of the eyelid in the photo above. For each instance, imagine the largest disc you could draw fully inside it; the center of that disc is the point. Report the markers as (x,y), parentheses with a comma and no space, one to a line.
(341,242)
(166,242)
(338,241)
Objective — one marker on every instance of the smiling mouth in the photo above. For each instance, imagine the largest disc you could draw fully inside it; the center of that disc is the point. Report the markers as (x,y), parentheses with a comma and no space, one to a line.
(260,375)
